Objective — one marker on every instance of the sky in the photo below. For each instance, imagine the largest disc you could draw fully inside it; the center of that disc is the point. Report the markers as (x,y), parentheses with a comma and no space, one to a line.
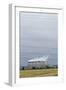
(38,37)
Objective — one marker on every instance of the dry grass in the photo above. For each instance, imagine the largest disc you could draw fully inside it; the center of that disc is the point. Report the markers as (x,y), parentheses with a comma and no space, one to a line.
(38,73)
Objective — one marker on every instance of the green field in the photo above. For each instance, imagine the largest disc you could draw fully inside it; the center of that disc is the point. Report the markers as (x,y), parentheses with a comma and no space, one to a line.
(38,73)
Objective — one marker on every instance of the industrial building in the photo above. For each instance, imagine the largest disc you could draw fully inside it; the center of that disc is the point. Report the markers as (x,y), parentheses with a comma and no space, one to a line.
(41,62)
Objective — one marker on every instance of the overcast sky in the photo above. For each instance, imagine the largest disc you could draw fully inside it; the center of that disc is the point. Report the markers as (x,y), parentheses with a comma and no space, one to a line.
(38,36)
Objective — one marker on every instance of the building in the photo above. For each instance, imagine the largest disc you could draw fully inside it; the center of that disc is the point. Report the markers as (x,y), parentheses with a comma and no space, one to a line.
(41,62)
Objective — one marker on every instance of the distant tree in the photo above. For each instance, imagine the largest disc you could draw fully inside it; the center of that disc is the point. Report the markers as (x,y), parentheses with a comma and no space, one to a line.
(22,68)
(48,67)
(56,66)
(33,68)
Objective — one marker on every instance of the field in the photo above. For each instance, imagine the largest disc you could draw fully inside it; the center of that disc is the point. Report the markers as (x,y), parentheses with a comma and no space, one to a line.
(38,73)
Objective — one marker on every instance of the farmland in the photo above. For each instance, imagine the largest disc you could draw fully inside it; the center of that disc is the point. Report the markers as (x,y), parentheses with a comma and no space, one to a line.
(38,72)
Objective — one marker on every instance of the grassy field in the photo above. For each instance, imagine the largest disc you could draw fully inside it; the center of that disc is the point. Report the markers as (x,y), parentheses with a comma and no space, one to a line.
(38,73)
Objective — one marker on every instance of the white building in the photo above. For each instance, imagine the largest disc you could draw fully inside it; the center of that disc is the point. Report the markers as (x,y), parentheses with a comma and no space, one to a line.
(41,62)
